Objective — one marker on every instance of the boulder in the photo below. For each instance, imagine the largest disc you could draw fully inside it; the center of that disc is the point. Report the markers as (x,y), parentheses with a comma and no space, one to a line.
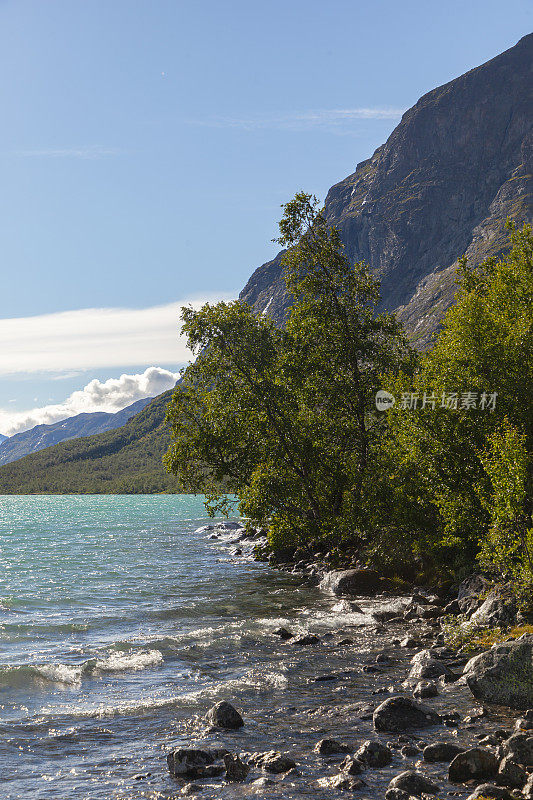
(426,666)
(469,591)
(511,774)
(331,747)
(527,791)
(236,770)
(488,791)
(389,611)
(474,763)
(424,689)
(519,747)
(306,639)
(441,751)
(283,633)
(374,754)
(351,766)
(503,674)
(224,715)
(274,762)
(351,582)
(401,714)
(188,762)
(413,783)
(495,611)
(341,782)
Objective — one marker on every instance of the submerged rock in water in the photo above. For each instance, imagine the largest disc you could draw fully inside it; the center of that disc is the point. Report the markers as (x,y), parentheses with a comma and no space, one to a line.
(283,633)
(413,783)
(188,762)
(401,714)
(374,754)
(503,674)
(236,770)
(474,763)
(351,582)
(306,639)
(331,747)
(224,715)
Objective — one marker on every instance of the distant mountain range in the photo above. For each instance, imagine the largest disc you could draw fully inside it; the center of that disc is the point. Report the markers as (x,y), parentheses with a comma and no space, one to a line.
(88,424)
(457,165)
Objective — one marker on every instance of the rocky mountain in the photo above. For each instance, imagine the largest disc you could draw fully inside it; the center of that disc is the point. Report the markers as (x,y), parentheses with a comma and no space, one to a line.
(457,165)
(3,438)
(41,436)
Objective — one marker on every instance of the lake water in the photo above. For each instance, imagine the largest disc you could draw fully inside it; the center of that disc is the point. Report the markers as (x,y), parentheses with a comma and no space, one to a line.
(120,627)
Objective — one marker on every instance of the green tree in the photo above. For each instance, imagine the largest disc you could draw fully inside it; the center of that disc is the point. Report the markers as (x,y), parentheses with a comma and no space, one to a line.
(456,457)
(284,417)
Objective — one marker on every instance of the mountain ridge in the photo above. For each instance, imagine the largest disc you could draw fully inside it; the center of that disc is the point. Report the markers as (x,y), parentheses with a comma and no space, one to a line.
(456,166)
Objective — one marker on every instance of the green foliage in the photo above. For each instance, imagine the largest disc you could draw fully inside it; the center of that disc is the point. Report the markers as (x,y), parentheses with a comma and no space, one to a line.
(126,460)
(471,468)
(286,416)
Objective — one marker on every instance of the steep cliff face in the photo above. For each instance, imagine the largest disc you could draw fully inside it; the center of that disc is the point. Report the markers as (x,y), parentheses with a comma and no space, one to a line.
(458,164)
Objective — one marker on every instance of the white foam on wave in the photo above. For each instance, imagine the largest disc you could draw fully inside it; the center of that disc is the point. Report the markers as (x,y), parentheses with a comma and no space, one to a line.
(119,662)
(60,673)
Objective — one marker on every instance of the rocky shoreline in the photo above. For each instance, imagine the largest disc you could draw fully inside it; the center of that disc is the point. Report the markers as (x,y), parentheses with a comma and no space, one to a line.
(414,748)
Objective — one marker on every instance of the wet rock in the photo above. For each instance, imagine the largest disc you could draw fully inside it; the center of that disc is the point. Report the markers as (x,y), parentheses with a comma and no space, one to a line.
(519,747)
(347,607)
(190,788)
(511,774)
(413,783)
(351,582)
(441,751)
(272,761)
(409,751)
(283,633)
(401,713)
(343,783)
(224,715)
(527,791)
(188,762)
(424,665)
(344,642)
(236,770)
(229,526)
(260,783)
(488,791)
(503,674)
(351,766)
(213,771)
(331,747)
(474,763)
(306,639)
(495,611)
(396,794)
(469,591)
(388,611)
(322,678)
(425,689)
(374,754)
(409,642)
(205,528)
(383,659)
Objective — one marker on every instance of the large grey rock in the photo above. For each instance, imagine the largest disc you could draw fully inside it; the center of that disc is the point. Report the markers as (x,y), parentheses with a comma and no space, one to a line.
(414,783)
(441,751)
(374,754)
(519,747)
(425,689)
(331,747)
(236,770)
(474,763)
(351,582)
(425,666)
(401,714)
(495,611)
(512,774)
(468,594)
(224,715)
(273,762)
(503,674)
(188,762)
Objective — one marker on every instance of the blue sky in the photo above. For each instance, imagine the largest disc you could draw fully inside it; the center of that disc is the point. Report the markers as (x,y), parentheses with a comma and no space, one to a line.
(146,148)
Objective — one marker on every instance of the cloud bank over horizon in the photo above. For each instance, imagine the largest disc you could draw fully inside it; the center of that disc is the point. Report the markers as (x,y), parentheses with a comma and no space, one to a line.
(93,338)
(111,395)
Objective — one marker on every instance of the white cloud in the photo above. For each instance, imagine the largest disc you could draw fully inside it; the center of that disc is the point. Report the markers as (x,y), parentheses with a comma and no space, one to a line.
(111,395)
(94,337)
(334,118)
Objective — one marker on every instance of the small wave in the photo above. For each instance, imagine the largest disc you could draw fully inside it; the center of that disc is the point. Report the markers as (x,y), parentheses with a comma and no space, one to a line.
(60,673)
(118,662)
